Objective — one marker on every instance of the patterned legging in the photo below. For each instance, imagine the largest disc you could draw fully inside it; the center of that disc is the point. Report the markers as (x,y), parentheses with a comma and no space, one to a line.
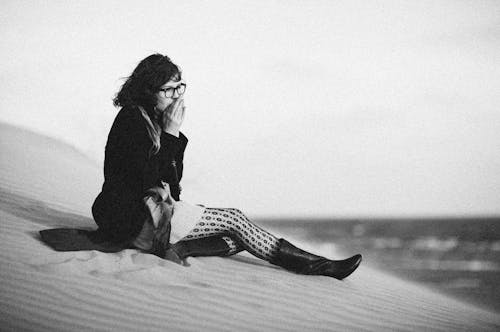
(240,233)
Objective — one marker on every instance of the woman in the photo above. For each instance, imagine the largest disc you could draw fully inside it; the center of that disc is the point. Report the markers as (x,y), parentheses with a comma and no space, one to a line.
(142,168)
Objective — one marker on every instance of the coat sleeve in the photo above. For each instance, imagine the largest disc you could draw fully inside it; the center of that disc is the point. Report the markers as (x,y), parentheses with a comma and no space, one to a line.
(172,148)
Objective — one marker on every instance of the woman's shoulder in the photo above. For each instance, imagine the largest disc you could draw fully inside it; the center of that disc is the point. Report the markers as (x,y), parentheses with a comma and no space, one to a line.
(128,121)
(128,113)
(128,117)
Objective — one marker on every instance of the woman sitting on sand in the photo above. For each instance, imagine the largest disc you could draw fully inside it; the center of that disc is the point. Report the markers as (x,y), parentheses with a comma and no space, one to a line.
(139,203)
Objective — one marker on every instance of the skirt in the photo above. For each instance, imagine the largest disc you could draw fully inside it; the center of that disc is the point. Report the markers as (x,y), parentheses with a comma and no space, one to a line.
(184,218)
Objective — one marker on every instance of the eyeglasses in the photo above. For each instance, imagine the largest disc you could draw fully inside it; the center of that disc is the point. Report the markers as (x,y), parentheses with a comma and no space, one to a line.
(169,92)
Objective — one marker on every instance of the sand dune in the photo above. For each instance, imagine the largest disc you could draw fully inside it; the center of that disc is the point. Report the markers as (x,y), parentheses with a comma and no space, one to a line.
(44,184)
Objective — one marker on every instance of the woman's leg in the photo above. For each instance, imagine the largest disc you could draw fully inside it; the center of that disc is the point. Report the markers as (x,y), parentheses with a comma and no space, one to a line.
(245,235)
(240,232)
(212,245)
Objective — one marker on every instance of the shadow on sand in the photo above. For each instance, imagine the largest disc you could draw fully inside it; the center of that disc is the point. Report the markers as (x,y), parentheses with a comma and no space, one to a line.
(38,212)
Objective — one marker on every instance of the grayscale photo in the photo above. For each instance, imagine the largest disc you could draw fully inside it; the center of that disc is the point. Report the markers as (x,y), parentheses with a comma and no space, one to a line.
(282,165)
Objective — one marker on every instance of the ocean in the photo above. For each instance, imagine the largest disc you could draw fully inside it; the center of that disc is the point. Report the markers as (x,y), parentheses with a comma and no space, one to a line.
(455,256)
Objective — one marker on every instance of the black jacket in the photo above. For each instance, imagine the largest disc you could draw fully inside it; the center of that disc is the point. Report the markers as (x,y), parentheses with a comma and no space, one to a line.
(128,171)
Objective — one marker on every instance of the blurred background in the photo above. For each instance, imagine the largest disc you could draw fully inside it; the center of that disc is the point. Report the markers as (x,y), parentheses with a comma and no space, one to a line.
(373,126)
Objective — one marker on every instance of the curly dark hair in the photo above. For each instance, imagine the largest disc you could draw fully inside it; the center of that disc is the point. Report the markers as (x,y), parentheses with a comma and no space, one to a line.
(150,74)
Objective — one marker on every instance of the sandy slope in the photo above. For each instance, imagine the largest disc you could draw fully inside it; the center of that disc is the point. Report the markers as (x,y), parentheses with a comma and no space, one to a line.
(44,183)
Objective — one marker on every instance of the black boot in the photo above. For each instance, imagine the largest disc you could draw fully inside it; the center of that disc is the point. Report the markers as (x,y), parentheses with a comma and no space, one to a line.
(206,246)
(300,261)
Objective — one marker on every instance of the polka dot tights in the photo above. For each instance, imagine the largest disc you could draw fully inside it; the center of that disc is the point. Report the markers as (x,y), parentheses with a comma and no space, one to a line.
(241,233)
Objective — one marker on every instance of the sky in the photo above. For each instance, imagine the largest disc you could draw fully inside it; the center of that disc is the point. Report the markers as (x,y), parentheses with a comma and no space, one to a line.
(294,108)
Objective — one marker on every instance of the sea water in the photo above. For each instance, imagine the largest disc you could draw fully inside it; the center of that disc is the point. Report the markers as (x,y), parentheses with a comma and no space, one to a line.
(456,256)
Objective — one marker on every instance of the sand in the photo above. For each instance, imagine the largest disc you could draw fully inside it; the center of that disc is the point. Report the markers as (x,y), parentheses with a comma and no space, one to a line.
(44,184)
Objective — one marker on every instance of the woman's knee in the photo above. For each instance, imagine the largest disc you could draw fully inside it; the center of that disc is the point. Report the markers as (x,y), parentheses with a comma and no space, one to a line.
(237,212)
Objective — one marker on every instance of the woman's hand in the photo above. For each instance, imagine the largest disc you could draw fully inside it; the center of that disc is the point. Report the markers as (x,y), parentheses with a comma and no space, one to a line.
(173,117)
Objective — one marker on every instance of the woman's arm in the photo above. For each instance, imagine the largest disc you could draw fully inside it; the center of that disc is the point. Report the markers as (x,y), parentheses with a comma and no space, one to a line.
(172,148)
(173,142)
(127,154)
(171,164)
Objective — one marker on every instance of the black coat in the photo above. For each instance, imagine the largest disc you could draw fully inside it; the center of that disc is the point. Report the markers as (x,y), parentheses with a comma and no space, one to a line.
(128,171)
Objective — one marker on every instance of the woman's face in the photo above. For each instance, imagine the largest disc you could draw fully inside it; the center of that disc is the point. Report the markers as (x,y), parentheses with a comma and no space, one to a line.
(169,92)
